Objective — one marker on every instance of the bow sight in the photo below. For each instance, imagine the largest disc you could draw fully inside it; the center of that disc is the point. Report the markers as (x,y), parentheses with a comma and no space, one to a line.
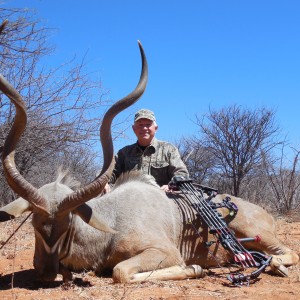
(207,210)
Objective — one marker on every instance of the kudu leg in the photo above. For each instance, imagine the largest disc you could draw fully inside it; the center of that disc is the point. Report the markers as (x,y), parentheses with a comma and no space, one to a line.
(155,265)
(279,263)
(171,273)
(282,256)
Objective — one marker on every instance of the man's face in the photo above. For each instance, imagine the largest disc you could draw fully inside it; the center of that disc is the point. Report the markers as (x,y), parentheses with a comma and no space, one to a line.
(144,130)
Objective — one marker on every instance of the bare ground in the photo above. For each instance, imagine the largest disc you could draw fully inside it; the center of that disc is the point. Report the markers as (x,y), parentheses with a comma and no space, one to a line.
(17,279)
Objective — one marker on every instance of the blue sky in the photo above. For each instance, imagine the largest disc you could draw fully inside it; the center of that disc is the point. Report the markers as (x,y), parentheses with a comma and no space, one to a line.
(201,54)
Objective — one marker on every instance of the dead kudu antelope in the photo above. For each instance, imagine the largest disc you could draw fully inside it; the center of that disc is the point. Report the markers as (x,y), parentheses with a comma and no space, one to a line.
(135,231)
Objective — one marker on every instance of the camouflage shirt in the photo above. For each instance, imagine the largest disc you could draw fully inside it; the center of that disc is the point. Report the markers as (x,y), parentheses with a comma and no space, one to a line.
(160,159)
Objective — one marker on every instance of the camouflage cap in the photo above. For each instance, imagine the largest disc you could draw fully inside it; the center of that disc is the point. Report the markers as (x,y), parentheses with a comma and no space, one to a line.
(144,114)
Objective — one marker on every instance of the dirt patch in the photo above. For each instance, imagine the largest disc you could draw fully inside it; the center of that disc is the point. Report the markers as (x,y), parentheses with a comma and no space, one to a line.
(17,278)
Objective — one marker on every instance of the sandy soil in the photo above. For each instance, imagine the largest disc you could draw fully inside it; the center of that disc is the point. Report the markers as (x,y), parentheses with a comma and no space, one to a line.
(17,280)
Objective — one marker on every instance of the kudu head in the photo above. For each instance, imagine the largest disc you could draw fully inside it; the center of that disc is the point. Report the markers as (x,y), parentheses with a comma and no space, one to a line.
(54,205)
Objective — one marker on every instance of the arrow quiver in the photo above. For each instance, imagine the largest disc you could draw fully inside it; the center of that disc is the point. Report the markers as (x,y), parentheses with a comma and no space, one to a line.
(207,210)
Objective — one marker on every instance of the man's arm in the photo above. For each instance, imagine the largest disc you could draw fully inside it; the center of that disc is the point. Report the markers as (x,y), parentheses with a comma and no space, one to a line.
(119,163)
(176,166)
(118,169)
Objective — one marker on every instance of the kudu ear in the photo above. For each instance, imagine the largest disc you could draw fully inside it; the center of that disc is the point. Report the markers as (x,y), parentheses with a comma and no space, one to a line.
(14,209)
(88,215)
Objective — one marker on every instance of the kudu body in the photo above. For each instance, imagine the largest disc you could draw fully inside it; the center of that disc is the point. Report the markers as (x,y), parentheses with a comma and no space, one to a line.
(135,231)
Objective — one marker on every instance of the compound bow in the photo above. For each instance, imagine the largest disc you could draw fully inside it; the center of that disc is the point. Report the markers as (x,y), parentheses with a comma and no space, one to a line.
(207,210)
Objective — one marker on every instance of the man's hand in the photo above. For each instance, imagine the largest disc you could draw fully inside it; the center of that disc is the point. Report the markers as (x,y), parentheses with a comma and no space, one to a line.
(168,189)
(106,189)
(165,188)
